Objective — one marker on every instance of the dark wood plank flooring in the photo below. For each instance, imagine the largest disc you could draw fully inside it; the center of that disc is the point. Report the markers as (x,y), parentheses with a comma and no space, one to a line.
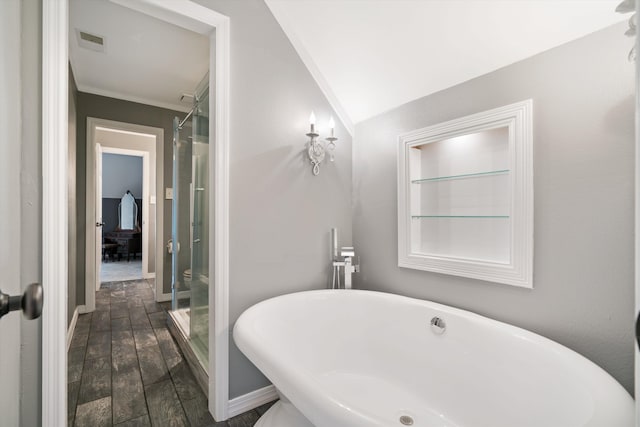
(125,369)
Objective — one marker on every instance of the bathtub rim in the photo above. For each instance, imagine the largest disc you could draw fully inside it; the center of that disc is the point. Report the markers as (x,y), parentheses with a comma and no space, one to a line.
(291,381)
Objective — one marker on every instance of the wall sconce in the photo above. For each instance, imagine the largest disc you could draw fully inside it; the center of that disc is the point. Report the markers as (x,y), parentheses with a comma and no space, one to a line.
(316,149)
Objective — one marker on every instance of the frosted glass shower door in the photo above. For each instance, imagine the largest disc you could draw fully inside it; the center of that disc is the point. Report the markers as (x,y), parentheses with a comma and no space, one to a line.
(190,227)
(200,231)
(180,225)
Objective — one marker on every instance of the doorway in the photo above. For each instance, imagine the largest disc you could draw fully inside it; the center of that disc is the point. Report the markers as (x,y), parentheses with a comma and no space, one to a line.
(107,137)
(186,14)
(124,203)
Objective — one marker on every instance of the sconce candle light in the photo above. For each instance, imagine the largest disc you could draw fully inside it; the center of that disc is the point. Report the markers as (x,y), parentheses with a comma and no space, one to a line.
(316,149)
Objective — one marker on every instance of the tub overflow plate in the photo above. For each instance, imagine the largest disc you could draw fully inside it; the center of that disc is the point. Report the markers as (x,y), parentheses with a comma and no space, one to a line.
(406,420)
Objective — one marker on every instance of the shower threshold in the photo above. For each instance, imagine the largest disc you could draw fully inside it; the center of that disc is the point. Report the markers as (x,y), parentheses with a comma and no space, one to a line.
(179,327)
(181,318)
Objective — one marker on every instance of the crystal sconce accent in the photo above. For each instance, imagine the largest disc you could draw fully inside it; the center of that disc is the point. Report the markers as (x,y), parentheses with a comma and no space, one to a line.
(316,149)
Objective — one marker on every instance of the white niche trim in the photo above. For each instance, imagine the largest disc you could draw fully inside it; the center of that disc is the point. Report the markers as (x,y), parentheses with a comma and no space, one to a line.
(465,197)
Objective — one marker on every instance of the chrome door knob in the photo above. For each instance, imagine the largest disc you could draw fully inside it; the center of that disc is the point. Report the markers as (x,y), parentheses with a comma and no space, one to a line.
(30,302)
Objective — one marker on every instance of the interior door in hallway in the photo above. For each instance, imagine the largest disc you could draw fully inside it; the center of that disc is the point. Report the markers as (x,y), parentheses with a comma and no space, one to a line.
(10,124)
(20,215)
(99,222)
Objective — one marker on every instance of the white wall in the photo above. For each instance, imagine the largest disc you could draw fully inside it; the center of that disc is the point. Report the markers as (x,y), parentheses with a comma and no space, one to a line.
(119,174)
(583,112)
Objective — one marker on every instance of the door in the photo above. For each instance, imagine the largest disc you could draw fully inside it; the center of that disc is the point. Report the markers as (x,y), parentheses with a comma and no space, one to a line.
(99,222)
(180,226)
(18,219)
(10,212)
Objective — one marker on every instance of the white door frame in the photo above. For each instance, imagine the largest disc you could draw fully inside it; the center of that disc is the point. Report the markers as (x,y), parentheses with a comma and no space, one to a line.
(637,220)
(55,59)
(92,277)
(55,133)
(146,178)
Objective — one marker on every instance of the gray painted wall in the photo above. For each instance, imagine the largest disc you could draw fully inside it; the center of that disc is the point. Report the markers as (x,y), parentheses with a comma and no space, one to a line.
(280,214)
(31,207)
(72,205)
(583,296)
(119,174)
(102,107)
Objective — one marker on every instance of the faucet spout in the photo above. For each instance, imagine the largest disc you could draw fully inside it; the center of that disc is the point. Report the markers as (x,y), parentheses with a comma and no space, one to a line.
(348,269)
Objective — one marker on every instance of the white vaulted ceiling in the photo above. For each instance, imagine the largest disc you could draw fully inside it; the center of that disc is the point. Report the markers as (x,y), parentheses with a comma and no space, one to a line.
(144,60)
(373,55)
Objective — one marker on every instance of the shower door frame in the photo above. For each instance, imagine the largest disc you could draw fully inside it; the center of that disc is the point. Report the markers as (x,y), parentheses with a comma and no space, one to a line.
(55,57)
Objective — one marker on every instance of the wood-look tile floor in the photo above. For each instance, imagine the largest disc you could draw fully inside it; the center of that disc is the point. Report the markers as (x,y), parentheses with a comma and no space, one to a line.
(125,369)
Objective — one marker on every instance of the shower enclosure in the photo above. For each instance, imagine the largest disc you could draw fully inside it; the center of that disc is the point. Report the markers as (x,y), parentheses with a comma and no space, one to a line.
(189,244)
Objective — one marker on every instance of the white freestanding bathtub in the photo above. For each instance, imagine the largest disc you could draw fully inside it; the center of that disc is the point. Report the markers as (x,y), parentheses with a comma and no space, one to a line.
(359,358)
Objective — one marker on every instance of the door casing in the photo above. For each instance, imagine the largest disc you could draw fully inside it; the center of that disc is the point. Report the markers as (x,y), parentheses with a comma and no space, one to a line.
(91,256)
(55,82)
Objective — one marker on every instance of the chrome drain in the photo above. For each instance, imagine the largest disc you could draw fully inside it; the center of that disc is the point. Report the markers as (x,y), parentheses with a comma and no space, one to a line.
(438,326)
(406,420)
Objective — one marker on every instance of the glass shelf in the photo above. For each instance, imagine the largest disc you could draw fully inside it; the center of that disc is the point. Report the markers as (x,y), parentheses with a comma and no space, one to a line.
(458,216)
(467,175)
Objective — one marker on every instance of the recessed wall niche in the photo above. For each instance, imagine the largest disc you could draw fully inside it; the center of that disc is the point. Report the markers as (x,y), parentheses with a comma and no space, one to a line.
(465,197)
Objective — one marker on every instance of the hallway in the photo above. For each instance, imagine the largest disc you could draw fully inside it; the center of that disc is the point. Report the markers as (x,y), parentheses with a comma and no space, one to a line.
(125,369)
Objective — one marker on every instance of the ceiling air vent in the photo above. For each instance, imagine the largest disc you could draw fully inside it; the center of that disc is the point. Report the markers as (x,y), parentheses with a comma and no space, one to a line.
(90,41)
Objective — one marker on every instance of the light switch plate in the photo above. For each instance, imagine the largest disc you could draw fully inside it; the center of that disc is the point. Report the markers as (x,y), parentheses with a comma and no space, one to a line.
(168,193)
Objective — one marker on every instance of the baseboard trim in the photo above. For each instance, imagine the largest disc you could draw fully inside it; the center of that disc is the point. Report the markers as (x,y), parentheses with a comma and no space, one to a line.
(83,309)
(163,297)
(72,327)
(249,401)
(149,276)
